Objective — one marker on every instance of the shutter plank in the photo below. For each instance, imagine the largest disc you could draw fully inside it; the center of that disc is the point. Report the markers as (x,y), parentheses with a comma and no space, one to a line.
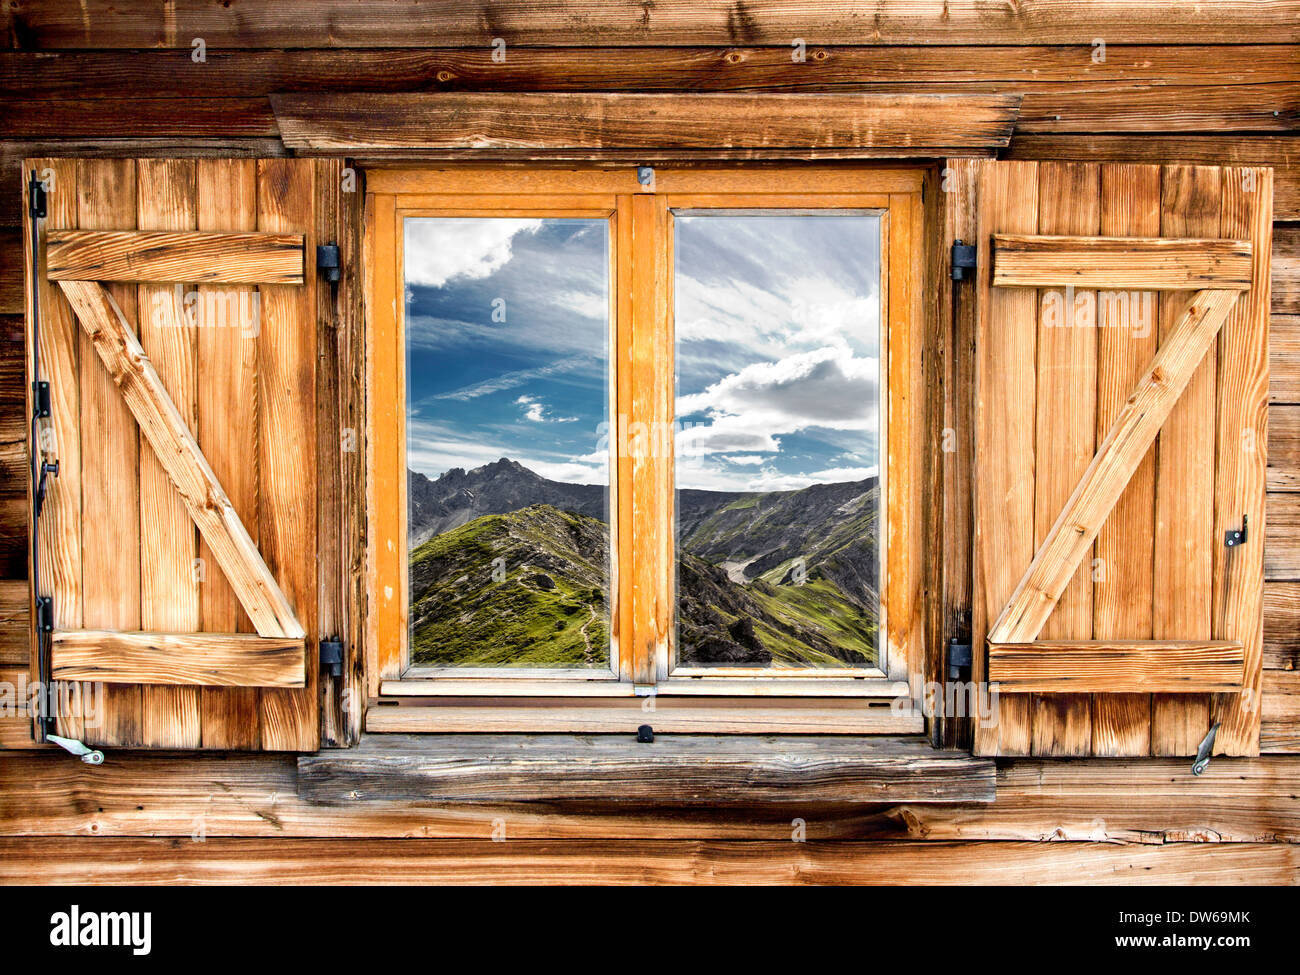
(110,458)
(169,595)
(166,432)
(1185,476)
(1126,342)
(1241,463)
(164,257)
(287,440)
(1006,328)
(227,424)
(60,533)
(1069,202)
(1117,666)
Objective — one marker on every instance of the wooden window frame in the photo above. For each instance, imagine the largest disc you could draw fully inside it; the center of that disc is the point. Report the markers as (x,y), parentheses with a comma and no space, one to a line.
(642,622)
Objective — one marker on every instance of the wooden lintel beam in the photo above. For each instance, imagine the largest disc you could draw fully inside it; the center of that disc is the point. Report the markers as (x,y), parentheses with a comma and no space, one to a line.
(1121,263)
(1118,456)
(179,454)
(206,659)
(1117,667)
(912,124)
(186,256)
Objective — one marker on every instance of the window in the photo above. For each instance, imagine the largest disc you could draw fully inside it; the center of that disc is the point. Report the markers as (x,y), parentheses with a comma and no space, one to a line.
(637,438)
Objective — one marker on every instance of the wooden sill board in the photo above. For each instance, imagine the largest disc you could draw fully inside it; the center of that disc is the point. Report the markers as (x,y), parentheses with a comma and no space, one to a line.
(671,770)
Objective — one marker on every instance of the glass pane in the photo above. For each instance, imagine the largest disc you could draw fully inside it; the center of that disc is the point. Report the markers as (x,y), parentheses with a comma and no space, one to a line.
(778,443)
(507,362)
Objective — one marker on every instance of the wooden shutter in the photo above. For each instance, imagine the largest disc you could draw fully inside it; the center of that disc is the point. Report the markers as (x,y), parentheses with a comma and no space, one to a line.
(1120,414)
(178,334)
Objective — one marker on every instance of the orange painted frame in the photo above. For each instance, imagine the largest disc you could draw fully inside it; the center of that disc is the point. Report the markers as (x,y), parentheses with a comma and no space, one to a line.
(642,623)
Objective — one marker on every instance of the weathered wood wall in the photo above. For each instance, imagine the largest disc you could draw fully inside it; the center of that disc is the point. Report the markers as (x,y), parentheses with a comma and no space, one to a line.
(1173,83)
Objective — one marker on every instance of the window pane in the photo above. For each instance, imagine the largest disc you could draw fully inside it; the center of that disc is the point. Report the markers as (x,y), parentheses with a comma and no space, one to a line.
(507,359)
(778,444)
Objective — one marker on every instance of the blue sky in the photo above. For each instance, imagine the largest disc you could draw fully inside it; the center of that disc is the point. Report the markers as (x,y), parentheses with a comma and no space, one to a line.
(777,336)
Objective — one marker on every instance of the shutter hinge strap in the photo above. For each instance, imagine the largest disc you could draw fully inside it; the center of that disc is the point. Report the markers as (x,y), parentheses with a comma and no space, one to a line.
(327,261)
(959,660)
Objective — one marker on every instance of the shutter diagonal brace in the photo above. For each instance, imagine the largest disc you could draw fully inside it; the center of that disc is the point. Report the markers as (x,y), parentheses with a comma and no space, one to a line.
(1017,660)
(1119,455)
(180,456)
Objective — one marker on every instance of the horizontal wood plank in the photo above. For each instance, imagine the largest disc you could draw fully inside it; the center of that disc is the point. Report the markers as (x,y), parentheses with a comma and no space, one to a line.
(1286,270)
(174,445)
(163,862)
(707,769)
(548,715)
(1284,447)
(911,124)
(192,257)
(116,24)
(1281,536)
(1114,667)
(1137,263)
(1280,713)
(1043,73)
(1282,626)
(1284,359)
(1136,801)
(213,659)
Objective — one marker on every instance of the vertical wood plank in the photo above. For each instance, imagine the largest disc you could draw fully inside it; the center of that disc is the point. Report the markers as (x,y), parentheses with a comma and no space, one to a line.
(386,621)
(169,592)
(1069,202)
(287,443)
(1006,329)
(649,441)
(110,473)
(1241,466)
(1190,202)
(957,446)
(60,532)
(621,410)
(1126,343)
(227,432)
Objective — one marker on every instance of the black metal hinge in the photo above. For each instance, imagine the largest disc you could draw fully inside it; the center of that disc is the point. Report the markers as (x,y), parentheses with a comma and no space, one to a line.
(331,656)
(327,261)
(959,660)
(36,198)
(45,614)
(963,260)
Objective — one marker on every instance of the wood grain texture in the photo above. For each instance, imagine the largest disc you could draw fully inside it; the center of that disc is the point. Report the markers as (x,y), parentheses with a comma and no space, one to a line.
(1183,572)
(169,589)
(1126,342)
(1284,448)
(1240,461)
(110,462)
(907,124)
(286,395)
(1140,802)
(164,862)
(1117,667)
(227,422)
(1130,436)
(1277,151)
(1118,263)
(1006,347)
(220,659)
(1069,202)
(161,424)
(113,24)
(60,348)
(697,769)
(545,715)
(175,255)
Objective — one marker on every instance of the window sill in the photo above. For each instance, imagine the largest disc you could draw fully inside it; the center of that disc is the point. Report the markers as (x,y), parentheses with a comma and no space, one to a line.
(674,769)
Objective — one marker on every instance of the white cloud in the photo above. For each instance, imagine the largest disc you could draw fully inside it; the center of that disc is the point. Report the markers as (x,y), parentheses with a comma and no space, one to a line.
(438,250)
(749,409)
(747,460)
(535,411)
(509,380)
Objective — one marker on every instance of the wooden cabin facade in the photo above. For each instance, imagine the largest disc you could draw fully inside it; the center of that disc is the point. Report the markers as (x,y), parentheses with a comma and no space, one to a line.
(1105,529)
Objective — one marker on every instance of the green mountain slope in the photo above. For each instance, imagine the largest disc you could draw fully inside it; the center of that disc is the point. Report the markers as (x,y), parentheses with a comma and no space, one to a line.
(523,589)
